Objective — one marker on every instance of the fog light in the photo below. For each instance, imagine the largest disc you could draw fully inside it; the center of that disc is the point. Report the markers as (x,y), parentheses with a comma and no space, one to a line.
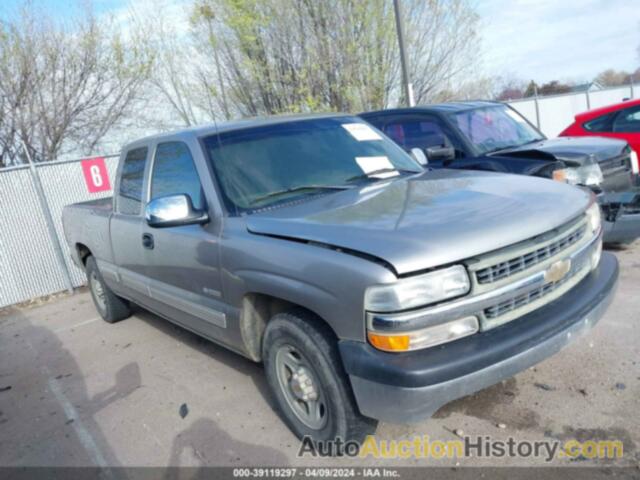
(425,337)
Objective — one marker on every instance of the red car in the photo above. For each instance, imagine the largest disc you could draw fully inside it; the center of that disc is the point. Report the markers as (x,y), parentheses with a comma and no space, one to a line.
(621,120)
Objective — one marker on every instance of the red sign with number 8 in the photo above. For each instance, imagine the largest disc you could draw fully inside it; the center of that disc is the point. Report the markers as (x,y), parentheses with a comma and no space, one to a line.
(96,175)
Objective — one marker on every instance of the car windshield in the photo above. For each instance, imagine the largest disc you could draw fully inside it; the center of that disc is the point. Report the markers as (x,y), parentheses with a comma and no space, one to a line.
(495,128)
(260,166)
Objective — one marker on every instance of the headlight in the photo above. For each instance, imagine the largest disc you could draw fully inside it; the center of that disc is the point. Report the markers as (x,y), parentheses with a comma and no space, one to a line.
(586,175)
(635,167)
(425,337)
(596,255)
(593,217)
(417,291)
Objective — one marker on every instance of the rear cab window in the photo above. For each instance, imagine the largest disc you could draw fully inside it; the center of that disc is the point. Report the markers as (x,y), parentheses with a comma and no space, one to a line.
(129,196)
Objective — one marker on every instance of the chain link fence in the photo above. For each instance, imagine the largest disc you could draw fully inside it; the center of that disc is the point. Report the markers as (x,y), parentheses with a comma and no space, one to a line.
(34,257)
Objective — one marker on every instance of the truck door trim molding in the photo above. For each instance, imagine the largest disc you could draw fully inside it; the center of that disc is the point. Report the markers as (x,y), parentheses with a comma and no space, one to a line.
(188,302)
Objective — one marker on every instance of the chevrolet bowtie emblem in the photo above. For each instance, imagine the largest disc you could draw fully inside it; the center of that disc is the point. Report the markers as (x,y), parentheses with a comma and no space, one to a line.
(557,271)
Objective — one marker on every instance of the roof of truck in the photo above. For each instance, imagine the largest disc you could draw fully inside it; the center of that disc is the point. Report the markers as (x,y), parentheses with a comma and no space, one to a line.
(226,126)
(451,107)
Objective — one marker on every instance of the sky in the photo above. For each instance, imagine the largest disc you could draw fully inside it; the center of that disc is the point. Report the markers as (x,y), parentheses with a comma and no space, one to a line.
(569,40)
(559,39)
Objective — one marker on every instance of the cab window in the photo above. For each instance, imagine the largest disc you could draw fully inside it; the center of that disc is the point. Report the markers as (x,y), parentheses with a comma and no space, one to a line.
(131,178)
(175,173)
(417,134)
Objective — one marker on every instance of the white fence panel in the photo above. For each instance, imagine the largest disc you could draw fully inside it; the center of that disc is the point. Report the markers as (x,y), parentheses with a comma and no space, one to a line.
(557,112)
(29,265)
(527,109)
(63,185)
(602,98)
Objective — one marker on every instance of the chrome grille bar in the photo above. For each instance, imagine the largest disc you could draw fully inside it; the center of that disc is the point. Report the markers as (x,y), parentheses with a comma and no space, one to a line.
(522,262)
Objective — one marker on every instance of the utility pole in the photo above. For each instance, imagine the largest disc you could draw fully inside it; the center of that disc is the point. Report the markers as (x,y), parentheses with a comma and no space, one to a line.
(408,88)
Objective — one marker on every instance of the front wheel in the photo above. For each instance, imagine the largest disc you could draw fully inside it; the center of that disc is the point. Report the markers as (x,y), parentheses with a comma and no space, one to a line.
(311,389)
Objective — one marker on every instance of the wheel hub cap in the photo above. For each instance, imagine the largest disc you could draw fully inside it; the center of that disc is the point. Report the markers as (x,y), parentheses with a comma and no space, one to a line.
(302,386)
(299,385)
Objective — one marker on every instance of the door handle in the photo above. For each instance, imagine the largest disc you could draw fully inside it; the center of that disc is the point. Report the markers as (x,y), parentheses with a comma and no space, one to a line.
(147,241)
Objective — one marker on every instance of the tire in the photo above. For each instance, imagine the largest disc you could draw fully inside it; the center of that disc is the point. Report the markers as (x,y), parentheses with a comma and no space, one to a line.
(299,336)
(110,307)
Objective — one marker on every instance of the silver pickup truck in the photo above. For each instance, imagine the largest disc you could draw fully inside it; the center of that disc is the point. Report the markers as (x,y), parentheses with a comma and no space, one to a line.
(369,287)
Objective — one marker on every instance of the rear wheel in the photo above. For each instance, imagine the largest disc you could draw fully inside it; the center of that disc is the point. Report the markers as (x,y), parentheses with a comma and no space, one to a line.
(308,382)
(110,307)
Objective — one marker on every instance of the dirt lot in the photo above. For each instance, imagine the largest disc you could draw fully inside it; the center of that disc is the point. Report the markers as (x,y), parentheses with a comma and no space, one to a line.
(77,391)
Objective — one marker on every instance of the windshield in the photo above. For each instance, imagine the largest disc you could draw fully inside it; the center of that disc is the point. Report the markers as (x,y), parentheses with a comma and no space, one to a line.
(261,166)
(495,128)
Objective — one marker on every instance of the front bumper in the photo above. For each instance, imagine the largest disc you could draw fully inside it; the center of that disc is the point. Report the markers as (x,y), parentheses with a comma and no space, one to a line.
(408,387)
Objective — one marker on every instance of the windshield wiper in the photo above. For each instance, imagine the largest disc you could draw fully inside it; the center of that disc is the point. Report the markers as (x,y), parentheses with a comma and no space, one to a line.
(300,188)
(510,147)
(378,172)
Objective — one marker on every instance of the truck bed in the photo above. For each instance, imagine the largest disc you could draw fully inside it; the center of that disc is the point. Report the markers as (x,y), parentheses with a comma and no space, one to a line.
(102,204)
(88,224)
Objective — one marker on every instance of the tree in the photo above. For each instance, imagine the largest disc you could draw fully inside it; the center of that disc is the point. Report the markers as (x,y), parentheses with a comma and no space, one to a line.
(613,78)
(63,87)
(531,90)
(554,87)
(443,47)
(273,56)
(509,88)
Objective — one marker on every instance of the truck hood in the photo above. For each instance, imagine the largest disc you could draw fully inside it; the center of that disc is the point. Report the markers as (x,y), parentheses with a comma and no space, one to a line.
(427,220)
(574,151)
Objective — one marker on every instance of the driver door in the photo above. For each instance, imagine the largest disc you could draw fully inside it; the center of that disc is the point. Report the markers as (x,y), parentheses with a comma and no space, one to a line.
(182,261)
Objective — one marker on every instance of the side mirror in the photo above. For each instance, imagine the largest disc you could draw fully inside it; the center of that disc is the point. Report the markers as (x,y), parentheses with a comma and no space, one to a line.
(173,211)
(443,154)
(419,156)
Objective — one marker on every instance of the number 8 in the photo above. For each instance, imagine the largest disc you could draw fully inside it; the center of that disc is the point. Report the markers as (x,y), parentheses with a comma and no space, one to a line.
(95,175)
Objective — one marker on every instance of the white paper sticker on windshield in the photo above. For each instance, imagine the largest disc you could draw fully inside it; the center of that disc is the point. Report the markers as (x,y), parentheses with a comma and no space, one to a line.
(515,116)
(374,164)
(361,131)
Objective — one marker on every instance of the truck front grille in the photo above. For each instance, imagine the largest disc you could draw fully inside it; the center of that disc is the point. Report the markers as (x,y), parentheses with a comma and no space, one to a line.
(521,300)
(500,269)
(528,259)
(522,304)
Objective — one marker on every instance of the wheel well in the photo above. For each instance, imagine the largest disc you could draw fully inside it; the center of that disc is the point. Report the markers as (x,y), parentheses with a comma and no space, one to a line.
(83,252)
(257,310)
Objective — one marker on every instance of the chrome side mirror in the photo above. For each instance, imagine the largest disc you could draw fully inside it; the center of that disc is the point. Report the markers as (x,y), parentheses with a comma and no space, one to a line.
(419,156)
(173,211)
